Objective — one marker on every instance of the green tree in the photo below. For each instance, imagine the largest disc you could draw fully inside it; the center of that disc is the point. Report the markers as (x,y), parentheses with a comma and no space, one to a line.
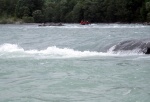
(38,16)
(110,10)
(90,10)
(27,7)
(7,7)
(148,10)
(78,12)
(148,6)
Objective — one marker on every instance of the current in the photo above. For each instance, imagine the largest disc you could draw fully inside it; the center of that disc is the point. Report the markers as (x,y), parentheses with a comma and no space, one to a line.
(74,63)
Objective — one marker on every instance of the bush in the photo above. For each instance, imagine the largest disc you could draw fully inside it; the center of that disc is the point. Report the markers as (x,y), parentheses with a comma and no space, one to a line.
(28,19)
(7,21)
(3,21)
(148,17)
(38,16)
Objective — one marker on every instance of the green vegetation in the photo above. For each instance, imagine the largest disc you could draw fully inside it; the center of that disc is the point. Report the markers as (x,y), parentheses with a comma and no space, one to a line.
(126,11)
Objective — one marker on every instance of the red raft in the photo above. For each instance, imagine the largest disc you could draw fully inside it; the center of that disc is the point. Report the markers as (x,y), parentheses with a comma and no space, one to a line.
(84,23)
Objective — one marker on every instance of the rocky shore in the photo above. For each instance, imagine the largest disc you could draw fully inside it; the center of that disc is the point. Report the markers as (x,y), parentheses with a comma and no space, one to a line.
(51,24)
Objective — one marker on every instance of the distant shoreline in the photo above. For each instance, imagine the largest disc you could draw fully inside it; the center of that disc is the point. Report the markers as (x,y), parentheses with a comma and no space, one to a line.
(46,24)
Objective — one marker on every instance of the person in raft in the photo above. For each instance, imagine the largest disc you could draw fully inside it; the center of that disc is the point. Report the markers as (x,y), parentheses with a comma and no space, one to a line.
(84,22)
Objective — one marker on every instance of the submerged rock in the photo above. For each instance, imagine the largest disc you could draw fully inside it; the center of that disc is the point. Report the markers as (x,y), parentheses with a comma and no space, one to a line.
(51,24)
(142,46)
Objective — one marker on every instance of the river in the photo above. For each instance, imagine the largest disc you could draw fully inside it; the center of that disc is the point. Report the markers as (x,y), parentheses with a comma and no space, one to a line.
(72,63)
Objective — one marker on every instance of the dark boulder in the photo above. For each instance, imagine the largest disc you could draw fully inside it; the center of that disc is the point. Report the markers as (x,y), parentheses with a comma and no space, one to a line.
(148,51)
(142,46)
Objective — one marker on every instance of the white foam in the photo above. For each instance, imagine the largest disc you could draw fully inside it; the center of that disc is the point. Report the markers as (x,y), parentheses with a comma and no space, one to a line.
(10,48)
(53,51)
(65,52)
(13,50)
(99,25)
(103,26)
(124,52)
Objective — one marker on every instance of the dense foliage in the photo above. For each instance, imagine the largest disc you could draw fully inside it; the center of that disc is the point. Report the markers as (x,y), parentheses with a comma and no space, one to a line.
(76,10)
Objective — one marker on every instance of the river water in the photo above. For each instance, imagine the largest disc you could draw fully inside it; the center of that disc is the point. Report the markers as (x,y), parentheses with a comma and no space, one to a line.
(72,63)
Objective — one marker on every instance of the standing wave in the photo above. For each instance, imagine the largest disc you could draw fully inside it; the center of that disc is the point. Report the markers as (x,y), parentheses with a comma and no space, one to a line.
(13,50)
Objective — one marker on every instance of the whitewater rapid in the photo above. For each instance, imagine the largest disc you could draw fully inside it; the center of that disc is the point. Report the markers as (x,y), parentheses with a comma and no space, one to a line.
(52,51)
(72,63)
(14,50)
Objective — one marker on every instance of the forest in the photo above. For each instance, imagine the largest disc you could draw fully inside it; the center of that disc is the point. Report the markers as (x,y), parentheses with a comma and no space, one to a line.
(73,11)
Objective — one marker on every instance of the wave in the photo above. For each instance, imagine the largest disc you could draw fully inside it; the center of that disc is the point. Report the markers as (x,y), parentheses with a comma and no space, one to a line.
(78,26)
(99,25)
(13,50)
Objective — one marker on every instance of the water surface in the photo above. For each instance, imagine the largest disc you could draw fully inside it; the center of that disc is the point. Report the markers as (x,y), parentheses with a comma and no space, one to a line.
(72,63)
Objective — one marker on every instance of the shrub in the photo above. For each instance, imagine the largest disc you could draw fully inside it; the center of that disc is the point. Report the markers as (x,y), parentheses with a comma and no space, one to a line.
(38,16)
(28,19)
(7,21)
(148,17)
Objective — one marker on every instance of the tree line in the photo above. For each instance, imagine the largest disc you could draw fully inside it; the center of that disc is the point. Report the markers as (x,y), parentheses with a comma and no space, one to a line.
(73,11)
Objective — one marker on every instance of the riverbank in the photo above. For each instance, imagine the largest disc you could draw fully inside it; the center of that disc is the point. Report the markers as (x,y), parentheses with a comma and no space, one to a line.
(14,20)
(11,21)
(23,21)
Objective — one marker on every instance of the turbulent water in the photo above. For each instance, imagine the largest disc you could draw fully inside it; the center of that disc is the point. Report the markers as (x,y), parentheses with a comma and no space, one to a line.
(73,63)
